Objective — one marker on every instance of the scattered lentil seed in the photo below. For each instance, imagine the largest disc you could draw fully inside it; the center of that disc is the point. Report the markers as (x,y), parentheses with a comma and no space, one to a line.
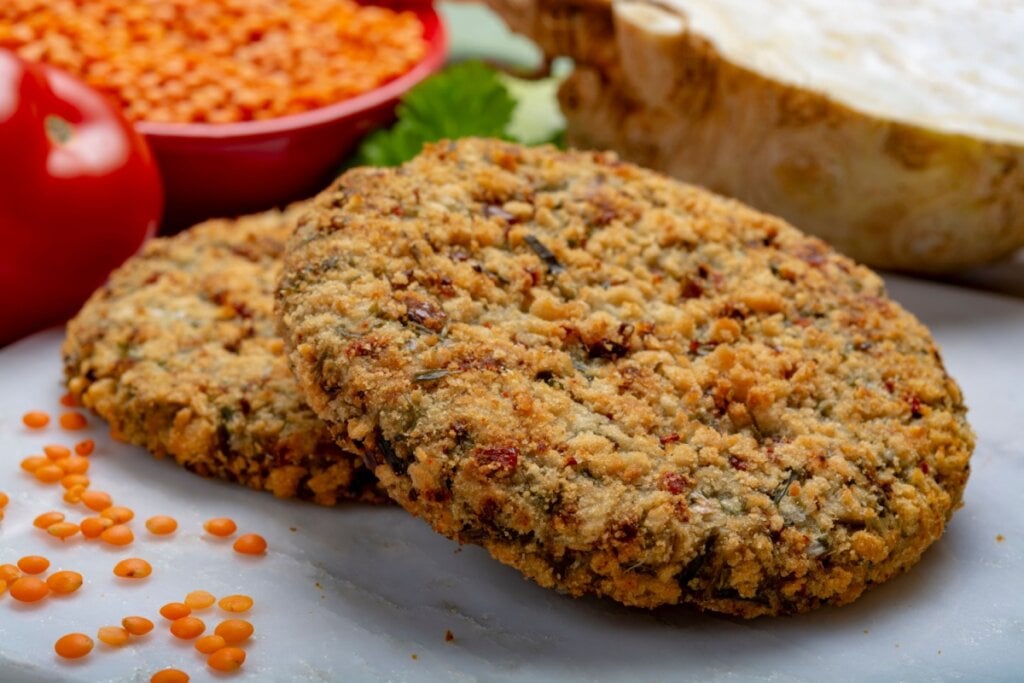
(119,514)
(187,628)
(220,526)
(73,645)
(250,544)
(10,573)
(175,610)
(234,631)
(210,644)
(118,534)
(74,464)
(63,530)
(97,500)
(48,519)
(92,527)
(64,582)
(72,480)
(85,447)
(35,419)
(112,635)
(4,499)
(200,599)
(226,659)
(73,421)
(49,474)
(34,462)
(3,586)
(235,603)
(33,564)
(169,676)
(54,452)
(137,626)
(73,496)
(29,589)
(161,525)
(133,568)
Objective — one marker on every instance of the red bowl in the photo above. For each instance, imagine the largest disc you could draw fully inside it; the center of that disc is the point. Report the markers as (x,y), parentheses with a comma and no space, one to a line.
(233,168)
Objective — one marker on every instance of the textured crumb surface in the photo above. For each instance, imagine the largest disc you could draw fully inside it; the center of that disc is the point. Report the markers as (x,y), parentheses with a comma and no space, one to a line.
(179,353)
(621,384)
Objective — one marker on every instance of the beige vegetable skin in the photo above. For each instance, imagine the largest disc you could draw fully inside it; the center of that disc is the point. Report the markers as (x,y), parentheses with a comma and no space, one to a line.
(901,190)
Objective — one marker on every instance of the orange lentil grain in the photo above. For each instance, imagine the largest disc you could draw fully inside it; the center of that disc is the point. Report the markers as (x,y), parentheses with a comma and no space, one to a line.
(64,582)
(73,421)
(97,500)
(175,610)
(118,534)
(35,419)
(133,568)
(170,676)
(161,525)
(73,496)
(70,481)
(119,514)
(29,589)
(75,464)
(54,452)
(220,526)
(63,530)
(187,628)
(166,61)
(200,599)
(68,400)
(137,626)
(92,527)
(34,462)
(85,447)
(235,603)
(48,519)
(250,544)
(4,499)
(234,631)
(10,573)
(3,586)
(73,645)
(210,644)
(226,659)
(49,474)
(33,564)
(112,635)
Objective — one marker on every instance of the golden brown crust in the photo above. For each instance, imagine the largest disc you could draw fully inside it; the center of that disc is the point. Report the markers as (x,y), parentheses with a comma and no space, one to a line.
(178,351)
(621,384)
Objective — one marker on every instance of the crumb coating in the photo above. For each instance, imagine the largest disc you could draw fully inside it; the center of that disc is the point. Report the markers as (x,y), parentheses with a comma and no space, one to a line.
(179,353)
(621,384)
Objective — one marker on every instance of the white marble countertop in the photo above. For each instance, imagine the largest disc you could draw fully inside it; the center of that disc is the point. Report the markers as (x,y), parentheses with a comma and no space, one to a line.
(353,593)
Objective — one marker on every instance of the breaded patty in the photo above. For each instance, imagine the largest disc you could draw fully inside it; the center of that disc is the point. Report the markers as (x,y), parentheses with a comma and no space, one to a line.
(179,352)
(621,384)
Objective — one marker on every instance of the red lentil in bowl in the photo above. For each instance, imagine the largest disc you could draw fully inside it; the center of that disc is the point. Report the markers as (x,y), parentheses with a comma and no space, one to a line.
(245,103)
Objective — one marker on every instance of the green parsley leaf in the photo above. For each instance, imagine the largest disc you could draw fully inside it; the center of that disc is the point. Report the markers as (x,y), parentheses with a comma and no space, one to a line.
(464,100)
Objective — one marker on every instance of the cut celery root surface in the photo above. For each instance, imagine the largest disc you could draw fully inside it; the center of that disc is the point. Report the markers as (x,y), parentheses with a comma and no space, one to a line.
(900,154)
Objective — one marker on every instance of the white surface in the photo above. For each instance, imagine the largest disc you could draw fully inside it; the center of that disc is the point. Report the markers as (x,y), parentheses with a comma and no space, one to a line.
(954,65)
(354,592)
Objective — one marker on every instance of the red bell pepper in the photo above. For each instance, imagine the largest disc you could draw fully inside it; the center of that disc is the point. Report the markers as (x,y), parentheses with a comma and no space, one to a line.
(79,193)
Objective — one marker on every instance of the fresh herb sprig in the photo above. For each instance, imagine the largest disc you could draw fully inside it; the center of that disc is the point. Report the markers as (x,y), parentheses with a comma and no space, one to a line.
(469,99)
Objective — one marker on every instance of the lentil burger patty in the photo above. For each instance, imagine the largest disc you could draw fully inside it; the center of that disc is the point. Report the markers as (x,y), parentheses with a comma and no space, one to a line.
(621,384)
(179,352)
